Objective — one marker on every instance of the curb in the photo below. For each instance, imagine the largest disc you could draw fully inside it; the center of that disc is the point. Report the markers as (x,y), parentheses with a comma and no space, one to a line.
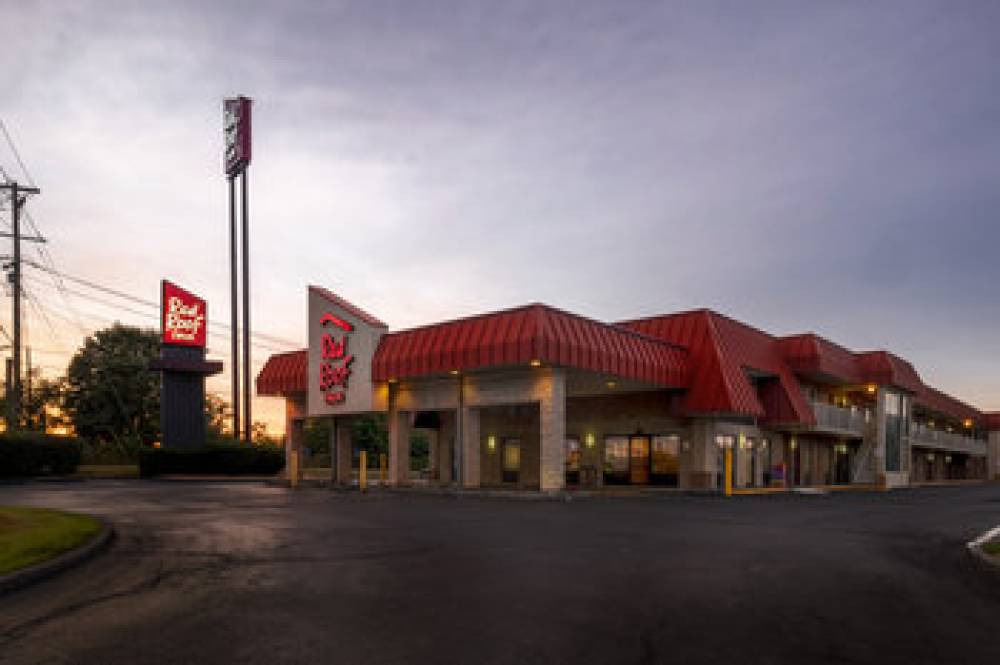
(975,547)
(46,569)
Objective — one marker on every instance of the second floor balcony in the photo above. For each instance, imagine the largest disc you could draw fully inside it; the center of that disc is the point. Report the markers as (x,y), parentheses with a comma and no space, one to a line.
(840,420)
(928,437)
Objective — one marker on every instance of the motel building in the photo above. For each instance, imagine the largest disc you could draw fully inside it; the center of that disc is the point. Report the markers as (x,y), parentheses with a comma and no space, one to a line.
(537,398)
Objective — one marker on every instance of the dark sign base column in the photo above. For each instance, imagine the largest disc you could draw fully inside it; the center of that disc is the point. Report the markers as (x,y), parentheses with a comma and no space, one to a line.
(182,397)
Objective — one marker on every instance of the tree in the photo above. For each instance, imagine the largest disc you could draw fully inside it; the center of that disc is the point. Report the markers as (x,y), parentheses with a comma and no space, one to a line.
(316,436)
(217,414)
(110,391)
(43,407)
(372,436)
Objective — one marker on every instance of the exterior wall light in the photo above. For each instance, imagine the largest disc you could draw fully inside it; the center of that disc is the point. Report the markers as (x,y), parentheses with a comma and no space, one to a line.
(392,380)
(871,388)
(793,443)
(491,443)
(968,423)
(612,384)
(454,372)
(589,440)
(536,363)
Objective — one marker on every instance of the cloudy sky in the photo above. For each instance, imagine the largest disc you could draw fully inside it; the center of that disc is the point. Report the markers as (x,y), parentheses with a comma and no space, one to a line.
(825,166)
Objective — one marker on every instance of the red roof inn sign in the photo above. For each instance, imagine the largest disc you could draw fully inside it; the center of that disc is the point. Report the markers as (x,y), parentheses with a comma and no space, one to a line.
(236,125)
(184,316)
(342,342)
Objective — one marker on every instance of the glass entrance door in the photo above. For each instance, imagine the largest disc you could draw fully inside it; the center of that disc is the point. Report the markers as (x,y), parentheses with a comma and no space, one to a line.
(511,460)
(665,459)
(572,461)
(638,460)
(842,464)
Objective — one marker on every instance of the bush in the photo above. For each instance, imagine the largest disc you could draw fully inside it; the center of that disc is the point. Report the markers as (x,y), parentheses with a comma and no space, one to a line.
(25,454)
(121,450)
(216,459)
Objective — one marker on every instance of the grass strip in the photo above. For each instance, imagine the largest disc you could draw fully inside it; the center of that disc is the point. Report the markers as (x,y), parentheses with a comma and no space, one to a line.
(31,535)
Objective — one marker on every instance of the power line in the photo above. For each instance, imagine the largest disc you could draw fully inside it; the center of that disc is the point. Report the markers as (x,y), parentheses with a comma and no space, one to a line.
(149,315)
(147,303)
(17,155)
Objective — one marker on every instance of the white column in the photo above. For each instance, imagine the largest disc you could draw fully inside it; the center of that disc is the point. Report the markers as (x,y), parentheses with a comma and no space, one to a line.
(470,446)
(399,446)
(446,445)
(294,412)
(552,434)
(993,456)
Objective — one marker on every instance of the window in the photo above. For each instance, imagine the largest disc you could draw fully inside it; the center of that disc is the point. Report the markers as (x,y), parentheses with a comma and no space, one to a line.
(616,459)
(572,461)
(665,460)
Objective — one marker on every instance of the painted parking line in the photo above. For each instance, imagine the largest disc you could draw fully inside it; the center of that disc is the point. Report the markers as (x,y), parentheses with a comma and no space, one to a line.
(992,534)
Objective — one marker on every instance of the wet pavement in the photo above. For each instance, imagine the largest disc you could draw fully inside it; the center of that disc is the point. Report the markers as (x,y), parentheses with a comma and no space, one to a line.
(244,573)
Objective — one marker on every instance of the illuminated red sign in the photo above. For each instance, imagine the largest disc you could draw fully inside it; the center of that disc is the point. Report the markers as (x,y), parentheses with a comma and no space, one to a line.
(236,127)
(335,362)
(183,316)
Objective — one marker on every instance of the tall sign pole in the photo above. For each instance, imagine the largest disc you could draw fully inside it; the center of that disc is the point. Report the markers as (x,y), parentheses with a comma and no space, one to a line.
(234,306)
(247,383)
(236,123)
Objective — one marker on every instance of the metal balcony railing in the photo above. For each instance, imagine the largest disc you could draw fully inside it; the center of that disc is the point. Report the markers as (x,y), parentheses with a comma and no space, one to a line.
(921,435)
(839,419)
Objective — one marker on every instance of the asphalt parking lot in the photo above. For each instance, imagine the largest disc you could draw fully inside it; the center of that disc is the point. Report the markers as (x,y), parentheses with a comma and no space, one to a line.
(243,573)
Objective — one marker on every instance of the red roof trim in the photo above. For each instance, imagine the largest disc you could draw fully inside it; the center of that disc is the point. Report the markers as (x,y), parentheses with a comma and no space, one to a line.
(349,307)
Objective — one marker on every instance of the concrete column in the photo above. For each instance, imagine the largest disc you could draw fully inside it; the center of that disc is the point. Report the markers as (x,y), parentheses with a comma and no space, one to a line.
(295,410)
(344,451)
(432,453)
(470,447)
(880,477)
(702,457)
(399,447)
(552,434)
(293,452)
(446,443)
(333,449)
(993,456)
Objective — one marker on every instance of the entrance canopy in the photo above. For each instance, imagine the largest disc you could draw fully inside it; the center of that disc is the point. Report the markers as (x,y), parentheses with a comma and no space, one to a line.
(523,336)
(533,334)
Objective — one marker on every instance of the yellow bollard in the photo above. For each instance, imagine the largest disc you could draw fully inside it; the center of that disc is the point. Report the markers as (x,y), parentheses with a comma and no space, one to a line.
(363,471)
(728,456)
(383,464)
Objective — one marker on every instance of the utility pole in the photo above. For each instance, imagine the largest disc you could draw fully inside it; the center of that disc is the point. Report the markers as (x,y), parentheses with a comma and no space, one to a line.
(17,200)
(27,362)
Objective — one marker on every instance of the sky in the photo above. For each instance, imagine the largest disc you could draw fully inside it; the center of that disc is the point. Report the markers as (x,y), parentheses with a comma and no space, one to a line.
(803,166)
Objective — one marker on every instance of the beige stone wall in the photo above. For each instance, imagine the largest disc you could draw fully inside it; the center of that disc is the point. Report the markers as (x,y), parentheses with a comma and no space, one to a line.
(505,423)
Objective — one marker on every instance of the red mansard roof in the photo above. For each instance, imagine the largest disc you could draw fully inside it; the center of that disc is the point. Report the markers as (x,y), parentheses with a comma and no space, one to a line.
(884,368)
(726,366)
(935,400)
(722,352)
(284,374)
(812,355)
(518,336)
